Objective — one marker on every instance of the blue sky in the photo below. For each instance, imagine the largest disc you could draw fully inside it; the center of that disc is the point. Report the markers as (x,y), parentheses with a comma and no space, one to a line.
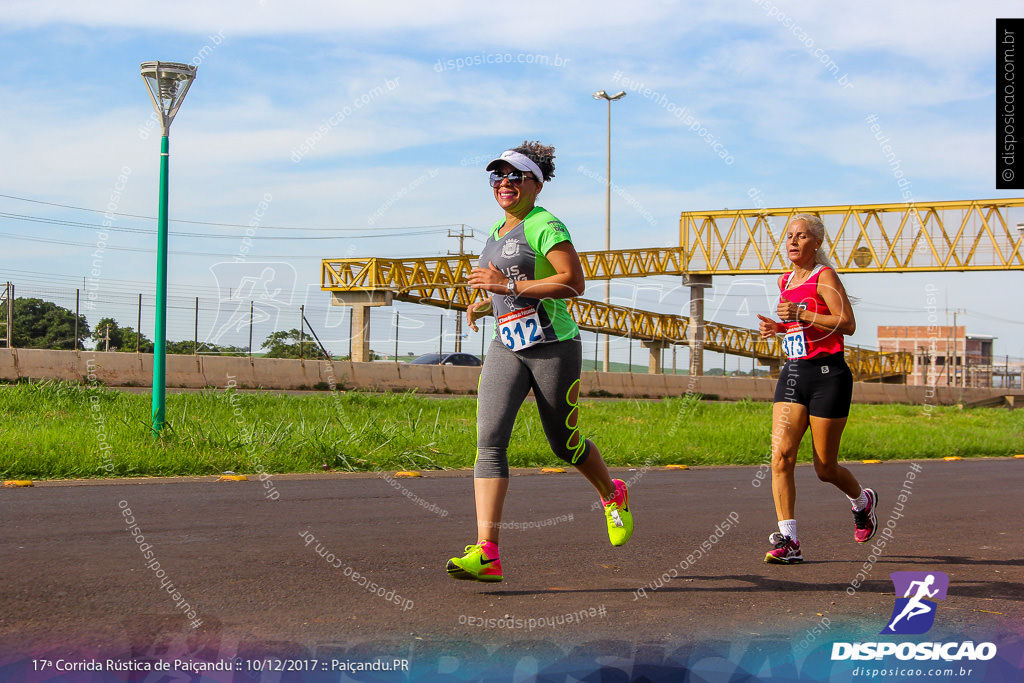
(363,129)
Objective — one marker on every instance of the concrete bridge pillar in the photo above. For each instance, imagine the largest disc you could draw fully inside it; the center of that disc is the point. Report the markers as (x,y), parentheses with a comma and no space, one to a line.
(695,330)
(361,302)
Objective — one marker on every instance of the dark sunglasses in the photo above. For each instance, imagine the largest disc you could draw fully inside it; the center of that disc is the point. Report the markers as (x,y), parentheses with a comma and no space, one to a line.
(514,177)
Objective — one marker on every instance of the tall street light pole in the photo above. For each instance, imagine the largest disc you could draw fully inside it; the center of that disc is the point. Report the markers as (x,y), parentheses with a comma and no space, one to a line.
(167,83)
(602,95)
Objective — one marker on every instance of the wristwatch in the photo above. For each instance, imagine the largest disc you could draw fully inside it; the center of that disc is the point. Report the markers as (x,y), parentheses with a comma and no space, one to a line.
(511,287)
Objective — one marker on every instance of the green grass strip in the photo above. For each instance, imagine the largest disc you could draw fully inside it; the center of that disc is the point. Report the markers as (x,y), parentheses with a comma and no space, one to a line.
(56,430)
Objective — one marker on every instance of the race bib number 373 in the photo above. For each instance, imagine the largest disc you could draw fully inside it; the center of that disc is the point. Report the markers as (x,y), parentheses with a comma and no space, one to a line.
(795,344)
(520,329)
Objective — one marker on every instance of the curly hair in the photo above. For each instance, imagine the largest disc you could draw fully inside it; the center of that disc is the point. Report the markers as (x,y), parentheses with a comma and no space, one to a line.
(542,155)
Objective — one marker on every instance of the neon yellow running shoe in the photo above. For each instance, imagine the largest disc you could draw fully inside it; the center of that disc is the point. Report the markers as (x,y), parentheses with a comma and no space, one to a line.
(480,563)
(616,511)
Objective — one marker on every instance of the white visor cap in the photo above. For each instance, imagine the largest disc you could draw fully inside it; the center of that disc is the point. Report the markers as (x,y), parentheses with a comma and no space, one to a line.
(519,161)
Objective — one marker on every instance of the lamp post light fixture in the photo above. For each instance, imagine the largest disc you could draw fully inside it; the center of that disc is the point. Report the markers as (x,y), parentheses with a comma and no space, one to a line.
(167,83)
(602,95)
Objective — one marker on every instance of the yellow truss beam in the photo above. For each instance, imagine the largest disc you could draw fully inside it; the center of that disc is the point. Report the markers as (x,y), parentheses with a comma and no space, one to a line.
(976,234)
(645,326)
(924,236)
(981,235)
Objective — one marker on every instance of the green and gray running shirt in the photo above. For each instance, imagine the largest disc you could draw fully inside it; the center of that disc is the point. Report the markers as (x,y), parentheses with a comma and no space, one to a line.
(523,321)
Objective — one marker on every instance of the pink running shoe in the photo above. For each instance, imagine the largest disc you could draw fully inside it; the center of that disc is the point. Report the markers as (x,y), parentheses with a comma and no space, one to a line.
(865,521)
(787,551)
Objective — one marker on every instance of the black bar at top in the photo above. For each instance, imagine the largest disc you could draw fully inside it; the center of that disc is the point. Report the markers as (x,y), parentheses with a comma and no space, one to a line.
(1009,147)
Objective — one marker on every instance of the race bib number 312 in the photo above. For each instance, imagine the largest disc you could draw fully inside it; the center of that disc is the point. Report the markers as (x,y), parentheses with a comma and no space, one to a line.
(520,329)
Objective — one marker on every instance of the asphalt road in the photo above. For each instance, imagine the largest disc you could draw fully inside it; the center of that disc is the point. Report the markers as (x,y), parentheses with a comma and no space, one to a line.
(242,558)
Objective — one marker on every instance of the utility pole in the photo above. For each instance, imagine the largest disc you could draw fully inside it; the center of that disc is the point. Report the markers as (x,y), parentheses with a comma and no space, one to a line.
(603,95)
(8,298)
(956,352)
(953,340)
(461,236)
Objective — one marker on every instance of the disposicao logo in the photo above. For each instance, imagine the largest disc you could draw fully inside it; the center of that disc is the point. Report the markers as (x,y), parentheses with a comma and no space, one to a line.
(914,613)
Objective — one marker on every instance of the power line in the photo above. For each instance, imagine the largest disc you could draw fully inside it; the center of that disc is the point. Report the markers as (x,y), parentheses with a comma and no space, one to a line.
(223,225)
(108,247)
(975,314)
(201,235)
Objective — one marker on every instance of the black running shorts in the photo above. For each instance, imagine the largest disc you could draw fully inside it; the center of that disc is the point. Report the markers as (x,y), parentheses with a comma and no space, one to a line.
(824,384)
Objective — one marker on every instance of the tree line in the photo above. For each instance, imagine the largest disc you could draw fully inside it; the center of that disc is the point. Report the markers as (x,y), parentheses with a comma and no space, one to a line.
(39,324)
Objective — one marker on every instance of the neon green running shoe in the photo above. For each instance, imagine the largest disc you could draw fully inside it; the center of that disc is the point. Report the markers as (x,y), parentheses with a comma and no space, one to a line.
(616,511)
(480,563)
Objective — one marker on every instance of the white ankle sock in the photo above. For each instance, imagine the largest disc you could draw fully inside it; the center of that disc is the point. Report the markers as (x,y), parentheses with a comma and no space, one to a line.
(860,502)
(787,527)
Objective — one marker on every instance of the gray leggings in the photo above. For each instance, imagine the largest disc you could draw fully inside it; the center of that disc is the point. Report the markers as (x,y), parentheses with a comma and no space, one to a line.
(553,372)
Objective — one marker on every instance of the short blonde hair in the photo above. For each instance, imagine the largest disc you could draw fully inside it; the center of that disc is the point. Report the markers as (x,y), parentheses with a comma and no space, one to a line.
(817,230)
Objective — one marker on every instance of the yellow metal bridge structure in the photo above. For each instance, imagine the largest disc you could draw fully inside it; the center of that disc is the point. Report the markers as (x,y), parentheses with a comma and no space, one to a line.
(878,238)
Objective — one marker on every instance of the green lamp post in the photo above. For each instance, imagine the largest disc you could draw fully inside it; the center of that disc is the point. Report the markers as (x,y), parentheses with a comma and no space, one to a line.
(167,83)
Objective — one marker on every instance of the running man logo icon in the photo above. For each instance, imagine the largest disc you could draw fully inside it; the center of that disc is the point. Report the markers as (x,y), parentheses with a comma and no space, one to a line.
(914,613)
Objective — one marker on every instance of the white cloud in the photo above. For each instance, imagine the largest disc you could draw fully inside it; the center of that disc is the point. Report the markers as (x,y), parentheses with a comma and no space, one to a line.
(282,70)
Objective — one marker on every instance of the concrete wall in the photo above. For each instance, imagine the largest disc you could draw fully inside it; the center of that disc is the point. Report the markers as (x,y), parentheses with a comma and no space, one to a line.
(129,369)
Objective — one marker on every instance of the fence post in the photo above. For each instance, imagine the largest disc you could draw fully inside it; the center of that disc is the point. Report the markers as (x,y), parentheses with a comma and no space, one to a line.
(138,327)
(195,334)
(250,328)
(10,314)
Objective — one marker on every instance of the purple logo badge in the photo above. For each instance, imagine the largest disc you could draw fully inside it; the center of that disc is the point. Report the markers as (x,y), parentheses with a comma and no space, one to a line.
(914,612)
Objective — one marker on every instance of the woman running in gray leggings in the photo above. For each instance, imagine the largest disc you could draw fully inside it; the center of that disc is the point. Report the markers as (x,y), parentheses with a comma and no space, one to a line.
(529,267)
